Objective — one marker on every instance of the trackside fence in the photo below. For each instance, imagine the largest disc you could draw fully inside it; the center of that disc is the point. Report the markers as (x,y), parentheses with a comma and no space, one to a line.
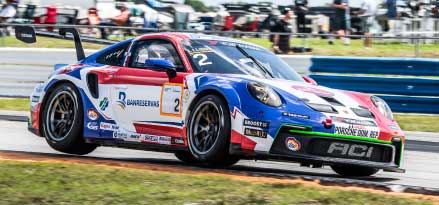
(408,85)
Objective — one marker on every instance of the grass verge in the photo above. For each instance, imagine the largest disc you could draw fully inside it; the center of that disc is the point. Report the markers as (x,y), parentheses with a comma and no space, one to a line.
(15,104)
(42,42)
(423,123)
(379,49)
(61,183)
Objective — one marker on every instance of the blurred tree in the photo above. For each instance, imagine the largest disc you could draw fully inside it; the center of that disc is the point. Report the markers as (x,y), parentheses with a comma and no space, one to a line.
(197,5)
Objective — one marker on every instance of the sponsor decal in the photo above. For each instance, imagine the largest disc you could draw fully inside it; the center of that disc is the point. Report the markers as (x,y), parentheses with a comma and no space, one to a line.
(92,125)
(165,140)
(292,144)
(92,114)
(103,104)
(108,126)
(313,90)
(120,135)
(149,138)
(352,150)
(177,140)
(256,123)
(156,139)
(124,102)
(255,133)
(354,121)
(287,114)
(355,130)
(135,136)
(186,95)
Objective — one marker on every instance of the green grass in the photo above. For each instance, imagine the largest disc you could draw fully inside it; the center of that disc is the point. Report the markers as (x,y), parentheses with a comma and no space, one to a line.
(42,42)
(58,183)
(320,47)
(379,49)
(418,122)
(15,104)
(423,123)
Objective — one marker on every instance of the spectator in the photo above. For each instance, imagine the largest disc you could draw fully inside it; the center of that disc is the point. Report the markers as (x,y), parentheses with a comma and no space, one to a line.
(435,10)
(391,9)
(342,20)
(281,43)
(119,20)
(8,11)
(301,8)
(368,13)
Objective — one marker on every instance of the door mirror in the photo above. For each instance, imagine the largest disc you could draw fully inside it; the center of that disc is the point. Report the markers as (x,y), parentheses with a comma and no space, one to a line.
(310,80)
(163,64)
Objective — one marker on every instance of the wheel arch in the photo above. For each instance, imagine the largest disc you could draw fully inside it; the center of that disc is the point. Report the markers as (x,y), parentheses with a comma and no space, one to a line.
(49,89)
(232,100)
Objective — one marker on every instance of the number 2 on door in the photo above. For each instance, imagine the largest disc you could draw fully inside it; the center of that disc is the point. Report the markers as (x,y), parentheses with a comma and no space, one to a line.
(170,100)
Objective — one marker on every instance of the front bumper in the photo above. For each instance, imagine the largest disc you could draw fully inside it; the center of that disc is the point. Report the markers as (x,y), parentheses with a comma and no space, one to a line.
(32,129)
(314,148)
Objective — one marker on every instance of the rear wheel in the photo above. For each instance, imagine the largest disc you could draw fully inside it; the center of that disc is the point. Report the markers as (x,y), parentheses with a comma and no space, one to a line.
(209,132)
(354,171)
(63,121)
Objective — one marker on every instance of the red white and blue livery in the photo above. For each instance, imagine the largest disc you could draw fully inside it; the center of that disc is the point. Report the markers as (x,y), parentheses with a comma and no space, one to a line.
(212,101)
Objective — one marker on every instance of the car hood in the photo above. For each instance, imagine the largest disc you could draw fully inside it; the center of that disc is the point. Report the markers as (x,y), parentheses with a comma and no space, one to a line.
(341,100)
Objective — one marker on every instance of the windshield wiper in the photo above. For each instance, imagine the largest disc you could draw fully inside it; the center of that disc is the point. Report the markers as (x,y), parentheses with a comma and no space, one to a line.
(265,70)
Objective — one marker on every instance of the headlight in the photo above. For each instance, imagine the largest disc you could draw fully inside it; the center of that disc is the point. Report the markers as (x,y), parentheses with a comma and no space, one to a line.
(382,106)
(264,94)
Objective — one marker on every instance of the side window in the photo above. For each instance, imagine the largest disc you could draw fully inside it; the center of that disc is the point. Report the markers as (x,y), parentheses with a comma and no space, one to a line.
(155,49)
(114,56)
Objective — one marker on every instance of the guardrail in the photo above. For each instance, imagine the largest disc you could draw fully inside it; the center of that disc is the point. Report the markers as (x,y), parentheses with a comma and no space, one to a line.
(403,93)
(398,66)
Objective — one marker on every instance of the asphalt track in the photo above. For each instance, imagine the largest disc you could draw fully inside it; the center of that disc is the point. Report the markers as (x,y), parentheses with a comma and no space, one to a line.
(422,167)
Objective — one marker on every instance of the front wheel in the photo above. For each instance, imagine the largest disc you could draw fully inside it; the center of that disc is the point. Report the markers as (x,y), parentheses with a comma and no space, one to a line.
(62,121)
(354,171)
(209,130)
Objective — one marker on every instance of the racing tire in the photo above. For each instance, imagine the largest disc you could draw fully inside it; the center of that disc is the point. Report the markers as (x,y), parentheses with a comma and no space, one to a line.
(63,119)
(230,161)
(186,157)
(354,171)
(209,131)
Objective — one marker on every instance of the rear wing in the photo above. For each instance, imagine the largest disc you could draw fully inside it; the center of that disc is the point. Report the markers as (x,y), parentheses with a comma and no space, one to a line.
(27,34)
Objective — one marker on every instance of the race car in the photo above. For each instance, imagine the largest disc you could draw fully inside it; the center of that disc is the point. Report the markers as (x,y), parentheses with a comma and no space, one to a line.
(212,101)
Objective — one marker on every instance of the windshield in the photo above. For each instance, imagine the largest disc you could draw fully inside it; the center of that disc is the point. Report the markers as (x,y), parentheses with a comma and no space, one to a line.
(212,56)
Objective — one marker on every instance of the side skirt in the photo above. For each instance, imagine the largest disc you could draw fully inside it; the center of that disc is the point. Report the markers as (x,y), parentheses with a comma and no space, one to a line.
(137,146)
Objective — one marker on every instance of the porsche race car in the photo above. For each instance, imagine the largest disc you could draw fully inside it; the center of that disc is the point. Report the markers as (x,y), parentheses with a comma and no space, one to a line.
(212,101)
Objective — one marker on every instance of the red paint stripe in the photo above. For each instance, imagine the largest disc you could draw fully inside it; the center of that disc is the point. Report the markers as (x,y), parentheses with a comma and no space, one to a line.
(158,130)
(131,76)
(245,142)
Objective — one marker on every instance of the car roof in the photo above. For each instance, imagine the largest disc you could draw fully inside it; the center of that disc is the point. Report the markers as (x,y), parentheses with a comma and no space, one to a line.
(197,36)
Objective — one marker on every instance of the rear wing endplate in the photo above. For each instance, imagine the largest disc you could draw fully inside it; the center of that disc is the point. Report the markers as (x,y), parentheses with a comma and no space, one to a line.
(27,34)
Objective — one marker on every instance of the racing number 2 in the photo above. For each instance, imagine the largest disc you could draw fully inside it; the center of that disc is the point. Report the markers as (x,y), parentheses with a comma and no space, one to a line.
(170,99)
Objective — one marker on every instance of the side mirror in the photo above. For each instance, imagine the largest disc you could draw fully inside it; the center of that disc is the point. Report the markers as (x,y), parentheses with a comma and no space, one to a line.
(310,80)
(164,64)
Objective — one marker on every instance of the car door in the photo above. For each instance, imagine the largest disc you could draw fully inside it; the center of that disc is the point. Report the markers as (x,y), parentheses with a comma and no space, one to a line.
(145,99)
